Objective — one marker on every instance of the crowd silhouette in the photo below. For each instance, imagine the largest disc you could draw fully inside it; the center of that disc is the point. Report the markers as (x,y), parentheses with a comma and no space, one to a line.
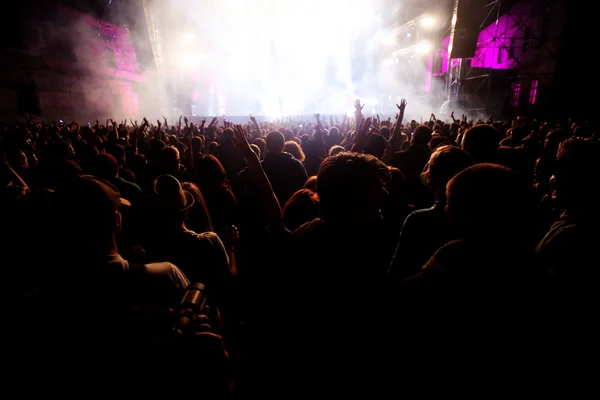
(336,256)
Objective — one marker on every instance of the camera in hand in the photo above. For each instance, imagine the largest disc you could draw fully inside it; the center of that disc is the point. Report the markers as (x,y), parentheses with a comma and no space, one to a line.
(192,304)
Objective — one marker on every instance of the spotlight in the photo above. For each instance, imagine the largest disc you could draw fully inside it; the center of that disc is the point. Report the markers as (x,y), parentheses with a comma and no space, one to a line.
(191,59)
(424,47)
(189,36)
(389,40)
(428,22)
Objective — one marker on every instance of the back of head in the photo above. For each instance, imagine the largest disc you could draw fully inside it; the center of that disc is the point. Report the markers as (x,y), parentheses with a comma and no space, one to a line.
(352,186)
(397,185)
(275,142)
(375,145)
(489,203)
(117,151)
(227,135)
(311,183)
(106,166)
(577,173)
(444,163)
(481,142)
(62,172)
(336,150)
(169,158)
(302,207)
(421,136)
(210,173)
(88,208)
(294,149)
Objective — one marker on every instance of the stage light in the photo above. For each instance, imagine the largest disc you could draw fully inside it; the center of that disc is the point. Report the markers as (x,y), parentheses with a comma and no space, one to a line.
(389,40)
(428,22)
(424,47)
(191,59)
(189,36)
(386,62)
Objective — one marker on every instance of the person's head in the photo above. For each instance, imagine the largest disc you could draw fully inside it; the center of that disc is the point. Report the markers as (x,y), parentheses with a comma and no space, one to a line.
(294,149)
(351,188)
(397,185)
(197,144)
(170,200)
(336,150)
(375,145)
(275,142)
(227,135)
(18,161)
(481,142)
(302,207)
(490,203)
(92,221)
(210,173)
(262,145)
(311,183)
(444,163)
(64,150)
(437,141)
(62,172)
(385,132)
(118,152)
(421,136)
(212,147)
(577,174)
(169,159)
(105,166)
(198,217)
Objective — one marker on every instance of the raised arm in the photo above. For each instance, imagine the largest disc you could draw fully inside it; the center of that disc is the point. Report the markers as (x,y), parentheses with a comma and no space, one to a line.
(268,199)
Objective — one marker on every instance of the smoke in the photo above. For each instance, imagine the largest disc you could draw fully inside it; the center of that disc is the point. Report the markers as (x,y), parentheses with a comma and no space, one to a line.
(283,57)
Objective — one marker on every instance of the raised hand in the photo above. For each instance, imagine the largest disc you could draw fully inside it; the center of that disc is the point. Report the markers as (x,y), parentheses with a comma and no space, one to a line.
(357,106)
(240,140)
(402,105)
(364,128)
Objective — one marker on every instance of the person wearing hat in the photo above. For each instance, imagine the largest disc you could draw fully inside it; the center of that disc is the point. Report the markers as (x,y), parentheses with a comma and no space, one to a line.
(200,255)
(90,208)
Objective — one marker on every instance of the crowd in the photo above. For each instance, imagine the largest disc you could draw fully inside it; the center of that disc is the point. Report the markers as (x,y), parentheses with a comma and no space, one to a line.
(336,256)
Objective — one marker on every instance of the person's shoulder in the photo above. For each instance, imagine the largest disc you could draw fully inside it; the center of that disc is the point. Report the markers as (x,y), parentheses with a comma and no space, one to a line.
(128,184)
(209,237)
(168,271)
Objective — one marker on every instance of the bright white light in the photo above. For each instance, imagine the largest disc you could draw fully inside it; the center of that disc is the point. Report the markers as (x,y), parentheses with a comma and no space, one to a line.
(265,57)
(428,22)
(389,40)
(408,34)
(424,47)
(189,36)
(386,62)
(191,59)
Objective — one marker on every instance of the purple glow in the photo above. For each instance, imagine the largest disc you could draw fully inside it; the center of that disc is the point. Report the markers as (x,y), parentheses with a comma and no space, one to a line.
(429,74)
(503,44)
(533,92)
(516,94)
(93,59)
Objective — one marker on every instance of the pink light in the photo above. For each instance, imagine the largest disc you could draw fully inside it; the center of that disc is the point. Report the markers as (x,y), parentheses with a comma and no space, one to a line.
(516,94)
(429,74)
(533,92)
